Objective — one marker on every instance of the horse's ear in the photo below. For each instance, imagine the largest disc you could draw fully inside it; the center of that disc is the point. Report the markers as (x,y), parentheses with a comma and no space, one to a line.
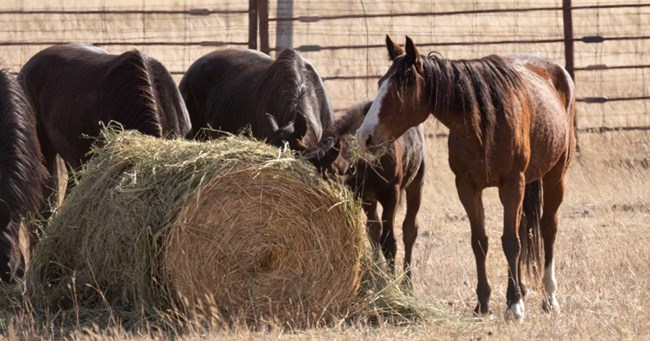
(412,54)
(271,123)
(5,214)
(394,49)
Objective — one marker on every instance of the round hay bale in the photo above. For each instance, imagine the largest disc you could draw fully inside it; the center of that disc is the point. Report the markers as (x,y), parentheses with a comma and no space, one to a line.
(165,224)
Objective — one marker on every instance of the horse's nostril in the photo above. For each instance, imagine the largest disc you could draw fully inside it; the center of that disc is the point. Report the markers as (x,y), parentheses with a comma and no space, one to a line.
(368,140)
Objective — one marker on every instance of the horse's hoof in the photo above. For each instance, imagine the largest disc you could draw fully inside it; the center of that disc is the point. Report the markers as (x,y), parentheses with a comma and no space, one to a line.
(516,312)
(407,285)
(482,310)
(550,305)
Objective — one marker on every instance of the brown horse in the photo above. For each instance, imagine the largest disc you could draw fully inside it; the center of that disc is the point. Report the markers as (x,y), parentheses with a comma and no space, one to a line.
(72,88)
(22,174)
(510,123)
(281,100)
(400,168)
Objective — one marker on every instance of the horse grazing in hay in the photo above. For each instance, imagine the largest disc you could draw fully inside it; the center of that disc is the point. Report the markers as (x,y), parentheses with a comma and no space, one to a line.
(72,88)
(510,123)
(22,173)
(400,168)
(282,100)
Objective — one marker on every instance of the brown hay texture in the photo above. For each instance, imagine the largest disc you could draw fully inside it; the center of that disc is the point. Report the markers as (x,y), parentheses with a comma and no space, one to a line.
(170,225)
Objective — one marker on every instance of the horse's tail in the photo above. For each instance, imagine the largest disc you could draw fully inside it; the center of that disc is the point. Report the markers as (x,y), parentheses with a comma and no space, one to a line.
(530,256)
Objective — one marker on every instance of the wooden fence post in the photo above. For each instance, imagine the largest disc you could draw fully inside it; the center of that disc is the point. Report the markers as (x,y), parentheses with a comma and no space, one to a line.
(263,10)
(568,36)
(252,24)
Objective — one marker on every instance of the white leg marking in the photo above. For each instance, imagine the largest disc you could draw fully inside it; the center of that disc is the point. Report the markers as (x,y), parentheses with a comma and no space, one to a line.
(516,312)
(549,302)
(372,118)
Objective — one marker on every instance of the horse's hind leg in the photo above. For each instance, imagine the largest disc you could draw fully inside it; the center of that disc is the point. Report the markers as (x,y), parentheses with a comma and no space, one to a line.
(553,187)
(511,193)
(388,202)
(410,226)
(471,198)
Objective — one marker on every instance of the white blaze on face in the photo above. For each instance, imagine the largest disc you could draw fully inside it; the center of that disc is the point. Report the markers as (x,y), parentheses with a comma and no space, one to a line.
(371,121)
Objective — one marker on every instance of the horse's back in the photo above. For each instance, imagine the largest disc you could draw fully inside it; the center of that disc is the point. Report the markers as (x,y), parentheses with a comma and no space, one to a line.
(218,88)
(73,87)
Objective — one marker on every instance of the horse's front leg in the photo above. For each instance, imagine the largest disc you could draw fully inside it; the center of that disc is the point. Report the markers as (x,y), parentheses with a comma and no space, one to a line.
(410,226)
(471,198)
(373,227)
(511,193)
(388,202)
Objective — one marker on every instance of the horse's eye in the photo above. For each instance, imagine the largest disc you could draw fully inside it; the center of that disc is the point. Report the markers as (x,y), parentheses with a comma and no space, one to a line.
(408,76)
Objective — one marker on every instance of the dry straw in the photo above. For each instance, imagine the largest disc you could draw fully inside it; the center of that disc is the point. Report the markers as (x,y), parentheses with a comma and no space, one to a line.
(170,227)
(163,224)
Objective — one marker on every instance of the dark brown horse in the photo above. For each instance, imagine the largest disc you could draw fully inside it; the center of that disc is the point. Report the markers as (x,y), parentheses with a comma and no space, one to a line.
(400,168)
(22,174)
(72,88)
(281,100)
(510,123)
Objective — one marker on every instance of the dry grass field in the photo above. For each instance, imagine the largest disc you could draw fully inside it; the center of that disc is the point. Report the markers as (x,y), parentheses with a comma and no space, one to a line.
(602,262)
(603,243)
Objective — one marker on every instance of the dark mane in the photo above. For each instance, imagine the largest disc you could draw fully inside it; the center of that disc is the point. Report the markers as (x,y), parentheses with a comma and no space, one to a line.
(477,88)
(133,94)
(292,80)
(284,76)
(173,116)
(22,174)
(352,119)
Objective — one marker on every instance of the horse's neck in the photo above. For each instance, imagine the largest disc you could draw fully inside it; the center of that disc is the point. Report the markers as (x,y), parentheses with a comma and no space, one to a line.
(445,99)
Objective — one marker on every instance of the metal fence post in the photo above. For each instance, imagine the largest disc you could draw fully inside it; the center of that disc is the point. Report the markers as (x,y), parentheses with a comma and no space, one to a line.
(567,16)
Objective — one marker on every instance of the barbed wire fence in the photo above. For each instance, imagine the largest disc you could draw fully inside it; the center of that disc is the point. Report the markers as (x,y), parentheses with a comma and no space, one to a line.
(605,45)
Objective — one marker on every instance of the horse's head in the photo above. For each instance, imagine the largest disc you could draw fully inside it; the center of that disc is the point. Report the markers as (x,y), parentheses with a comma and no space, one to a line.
(291,133)
(402,99)
(293,93)
(328,158)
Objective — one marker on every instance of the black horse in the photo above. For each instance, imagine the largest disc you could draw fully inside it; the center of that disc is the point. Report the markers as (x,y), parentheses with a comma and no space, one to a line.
(281,100)
(72,88)
(22,174)
(400,168)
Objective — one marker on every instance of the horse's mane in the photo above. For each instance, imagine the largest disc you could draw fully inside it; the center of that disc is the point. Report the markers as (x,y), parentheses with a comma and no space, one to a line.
(173,115)
(351,120)
(22,174)
(288,85)
(479,89)
(133,94)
